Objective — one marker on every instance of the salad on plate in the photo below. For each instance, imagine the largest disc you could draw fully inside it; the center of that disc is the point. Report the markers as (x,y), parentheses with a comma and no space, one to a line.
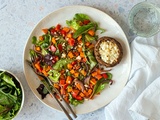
(65,54)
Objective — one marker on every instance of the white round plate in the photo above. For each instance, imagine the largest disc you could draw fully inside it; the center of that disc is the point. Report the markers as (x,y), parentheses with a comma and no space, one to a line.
(120,72)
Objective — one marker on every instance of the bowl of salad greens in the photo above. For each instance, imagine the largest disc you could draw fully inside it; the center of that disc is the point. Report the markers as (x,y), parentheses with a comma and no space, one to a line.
(11,95)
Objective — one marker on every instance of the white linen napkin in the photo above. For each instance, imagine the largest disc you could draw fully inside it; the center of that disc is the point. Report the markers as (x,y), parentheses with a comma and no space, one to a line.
(140,98)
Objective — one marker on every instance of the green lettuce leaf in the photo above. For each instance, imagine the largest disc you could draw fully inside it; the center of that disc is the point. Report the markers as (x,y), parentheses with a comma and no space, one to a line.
(10,96)
(84,29)
(62,63)
(92,59)
(81,17)
(54,75)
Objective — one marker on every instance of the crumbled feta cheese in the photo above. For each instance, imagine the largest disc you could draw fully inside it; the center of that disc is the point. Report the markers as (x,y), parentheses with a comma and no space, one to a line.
(63,55)
(63,44)
(78,58)
(109,52)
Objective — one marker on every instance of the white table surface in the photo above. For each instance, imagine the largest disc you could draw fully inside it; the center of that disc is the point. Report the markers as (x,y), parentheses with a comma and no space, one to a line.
(17,20)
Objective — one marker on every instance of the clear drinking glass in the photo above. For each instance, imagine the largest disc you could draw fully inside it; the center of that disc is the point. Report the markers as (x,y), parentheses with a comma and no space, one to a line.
(144,19)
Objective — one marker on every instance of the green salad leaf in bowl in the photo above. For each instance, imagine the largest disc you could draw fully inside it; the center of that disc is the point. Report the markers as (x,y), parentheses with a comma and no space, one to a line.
(11,95)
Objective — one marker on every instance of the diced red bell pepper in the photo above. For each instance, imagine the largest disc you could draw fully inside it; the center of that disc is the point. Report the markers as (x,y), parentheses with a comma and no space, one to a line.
(63,33)
(78,97)
(75,92)
(60,47)
(62,82)
(53,31)
(58,27)
(65,86)
(86,22)
(71,42)
(75,95)
(105,75)
(73,63)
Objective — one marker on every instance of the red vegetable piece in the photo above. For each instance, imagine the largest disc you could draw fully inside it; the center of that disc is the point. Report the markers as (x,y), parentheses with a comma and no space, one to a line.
(86,22)
(75,94)
(105,75)
(58,27)
(53,31)
(63,33)
(60,47)
(56,58)
(65,86)
(78,97)
(73,63)
(71,42)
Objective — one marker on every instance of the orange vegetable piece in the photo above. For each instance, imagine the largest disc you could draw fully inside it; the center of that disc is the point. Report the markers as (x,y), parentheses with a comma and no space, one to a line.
(62,81)
(82,54)
(91,32)
(48,68)
(86,93)
(56,86)
(53,40)
(79,38)
(69,89)
(93,81)
(62,71)
(98,71)
(38,67)
(44,72)
(83,72)
(41,38)
(76,74)
(72,29)
(80,42)
(69,35)
(91,85)
(69,66)
(91,46)
(87,44)
(66,29)
(78,86)
(38,48)
(62,91)
(69,80)
(72,71)
(79,49)
(82,94)
(62,76)
(84,59)
(98,76)
(66,98)
(90,91)
(76,53)
(45,30)
(67,95)
(94,74)
(70,55)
